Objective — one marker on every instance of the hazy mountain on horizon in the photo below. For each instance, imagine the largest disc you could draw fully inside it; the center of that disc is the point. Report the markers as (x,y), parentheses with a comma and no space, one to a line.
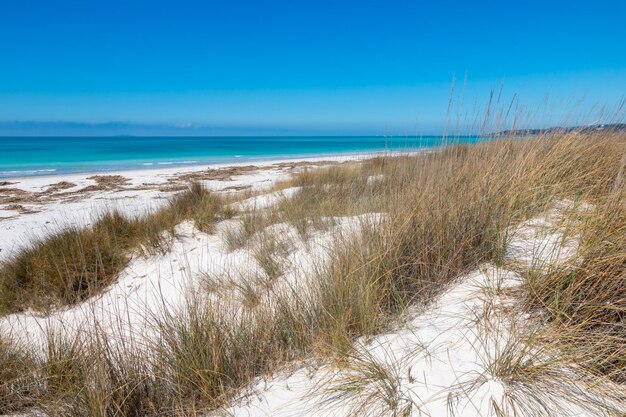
(34,128)
(120,129)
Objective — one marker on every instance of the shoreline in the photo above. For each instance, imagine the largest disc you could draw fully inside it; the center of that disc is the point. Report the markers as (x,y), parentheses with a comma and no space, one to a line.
(195,165)
(186,168)
(36,206)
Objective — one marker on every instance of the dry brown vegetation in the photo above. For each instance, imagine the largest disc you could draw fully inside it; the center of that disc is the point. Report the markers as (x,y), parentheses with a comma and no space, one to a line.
(585,301)
(18,384)
(446,213)
(74,264)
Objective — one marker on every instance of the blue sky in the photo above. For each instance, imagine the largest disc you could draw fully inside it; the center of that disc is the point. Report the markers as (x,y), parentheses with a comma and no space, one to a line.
(309,67)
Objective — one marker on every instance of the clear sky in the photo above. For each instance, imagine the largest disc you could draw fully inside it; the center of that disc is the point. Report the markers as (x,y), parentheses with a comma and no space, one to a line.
(335,67)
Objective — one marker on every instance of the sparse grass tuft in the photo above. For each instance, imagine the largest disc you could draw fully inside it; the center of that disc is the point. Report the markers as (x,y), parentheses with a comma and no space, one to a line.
(237,236)
(270,252)
(19,386)
(373,387)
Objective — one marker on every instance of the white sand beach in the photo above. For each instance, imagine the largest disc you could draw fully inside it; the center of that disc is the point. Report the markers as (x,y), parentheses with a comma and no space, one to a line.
(32,207)
(439,355)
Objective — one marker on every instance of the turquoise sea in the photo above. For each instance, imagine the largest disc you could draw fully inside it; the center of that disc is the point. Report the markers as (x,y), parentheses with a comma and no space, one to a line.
(28,156)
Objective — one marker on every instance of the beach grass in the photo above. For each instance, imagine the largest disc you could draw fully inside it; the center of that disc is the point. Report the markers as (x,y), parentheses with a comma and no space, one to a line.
(19,386)
(76,263)
(442,214)
(585,301)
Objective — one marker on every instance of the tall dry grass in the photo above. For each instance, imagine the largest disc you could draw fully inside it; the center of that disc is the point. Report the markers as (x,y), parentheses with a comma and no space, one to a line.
(445,213)
(585,300)
(74,264)
(19,386)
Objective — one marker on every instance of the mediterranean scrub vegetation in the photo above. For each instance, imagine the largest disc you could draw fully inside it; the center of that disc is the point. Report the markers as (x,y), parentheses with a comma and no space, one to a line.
(443,214)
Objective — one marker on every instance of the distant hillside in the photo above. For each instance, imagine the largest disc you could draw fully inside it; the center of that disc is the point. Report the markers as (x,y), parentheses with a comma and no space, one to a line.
(615,127)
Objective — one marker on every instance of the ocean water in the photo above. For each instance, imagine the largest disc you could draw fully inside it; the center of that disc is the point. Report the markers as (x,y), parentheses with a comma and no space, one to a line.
(29,156)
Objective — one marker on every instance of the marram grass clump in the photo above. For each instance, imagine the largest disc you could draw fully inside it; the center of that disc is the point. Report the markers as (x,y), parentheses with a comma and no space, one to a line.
(74,264)
(585,300)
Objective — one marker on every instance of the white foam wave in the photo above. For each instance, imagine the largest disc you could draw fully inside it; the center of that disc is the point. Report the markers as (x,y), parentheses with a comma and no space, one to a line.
(177,162)
(26,171)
